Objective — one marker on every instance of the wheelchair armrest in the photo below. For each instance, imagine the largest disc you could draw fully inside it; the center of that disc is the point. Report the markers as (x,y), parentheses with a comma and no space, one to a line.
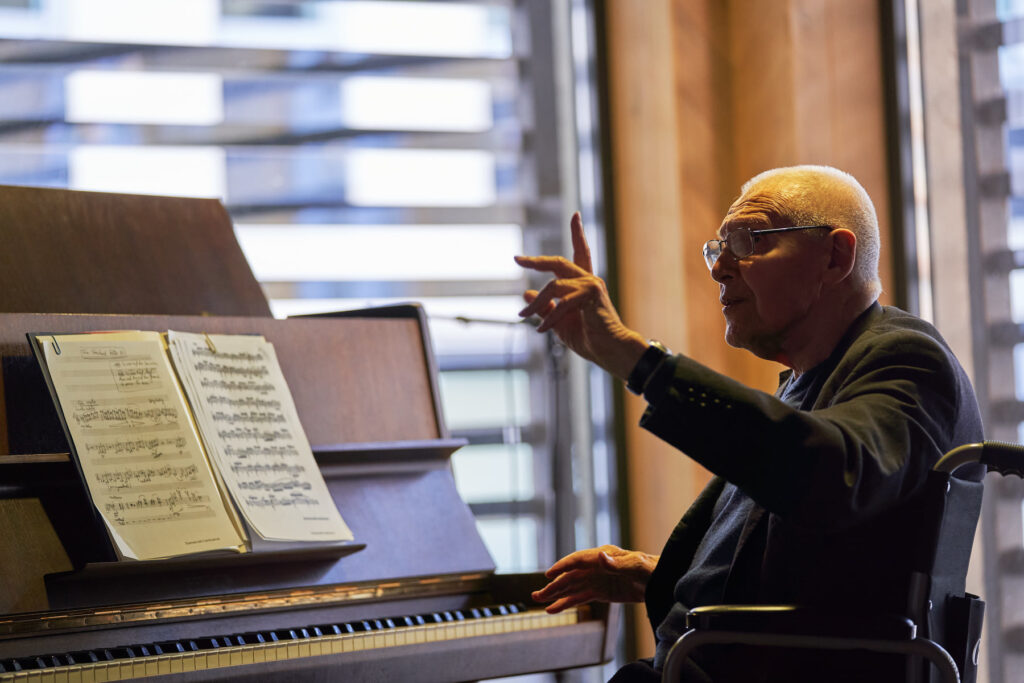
(804,627)
(801,620)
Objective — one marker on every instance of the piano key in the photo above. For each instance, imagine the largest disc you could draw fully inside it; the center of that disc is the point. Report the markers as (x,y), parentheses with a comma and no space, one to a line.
(169,647)
(217,652)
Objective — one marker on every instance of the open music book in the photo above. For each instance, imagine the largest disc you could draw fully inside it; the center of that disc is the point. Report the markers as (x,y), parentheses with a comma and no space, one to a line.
(188,443)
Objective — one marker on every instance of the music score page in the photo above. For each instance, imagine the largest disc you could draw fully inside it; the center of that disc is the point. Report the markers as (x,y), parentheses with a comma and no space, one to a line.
(252,432)
(137,445)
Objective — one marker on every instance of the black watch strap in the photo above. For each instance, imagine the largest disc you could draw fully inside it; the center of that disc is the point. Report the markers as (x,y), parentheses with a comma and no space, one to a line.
(645,367)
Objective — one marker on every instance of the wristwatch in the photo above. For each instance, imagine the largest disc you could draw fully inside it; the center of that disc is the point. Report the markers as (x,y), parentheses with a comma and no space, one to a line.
(643,370)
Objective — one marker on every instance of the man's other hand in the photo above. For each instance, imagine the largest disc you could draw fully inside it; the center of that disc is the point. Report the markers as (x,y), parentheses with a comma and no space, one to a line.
(605,574)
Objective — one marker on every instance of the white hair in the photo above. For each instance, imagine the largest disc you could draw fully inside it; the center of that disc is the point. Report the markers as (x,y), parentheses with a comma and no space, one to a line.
(822,195)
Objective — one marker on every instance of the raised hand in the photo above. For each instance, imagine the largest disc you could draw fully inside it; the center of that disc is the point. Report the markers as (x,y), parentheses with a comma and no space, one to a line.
(576,306)
(605,574)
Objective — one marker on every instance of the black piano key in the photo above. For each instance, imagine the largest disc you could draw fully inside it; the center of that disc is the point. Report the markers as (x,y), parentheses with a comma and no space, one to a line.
(303,632)
(459,616)
(231,641)
(203,644)
(285,634)
(251,638)
(168,647)
(432,618)
(388,622)
(402,622)
(486,612)
(475,613)
(326,630)
(30,663)
(143,650)
(82,657)
(502,610)
(9,665)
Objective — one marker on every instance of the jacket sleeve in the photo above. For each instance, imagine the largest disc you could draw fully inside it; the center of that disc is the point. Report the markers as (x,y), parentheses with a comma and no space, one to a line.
(893,408)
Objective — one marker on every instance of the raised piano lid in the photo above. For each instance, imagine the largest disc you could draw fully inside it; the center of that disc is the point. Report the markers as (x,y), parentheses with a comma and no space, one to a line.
(365,390)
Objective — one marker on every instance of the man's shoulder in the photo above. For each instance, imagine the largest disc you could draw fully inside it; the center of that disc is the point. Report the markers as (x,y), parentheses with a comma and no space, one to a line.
(888,328)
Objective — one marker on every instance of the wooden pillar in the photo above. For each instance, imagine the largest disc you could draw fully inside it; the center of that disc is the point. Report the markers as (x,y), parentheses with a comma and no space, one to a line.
(704,94)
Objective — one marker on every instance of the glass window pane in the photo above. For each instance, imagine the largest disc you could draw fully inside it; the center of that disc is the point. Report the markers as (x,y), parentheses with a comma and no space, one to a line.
(381,252)
(416,104)
(177,171)
(487,473)
(512,542)
(139,97)
(420,177)
(485,398)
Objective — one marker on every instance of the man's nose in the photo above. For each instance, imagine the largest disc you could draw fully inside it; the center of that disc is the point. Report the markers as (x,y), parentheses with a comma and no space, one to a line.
(724,267)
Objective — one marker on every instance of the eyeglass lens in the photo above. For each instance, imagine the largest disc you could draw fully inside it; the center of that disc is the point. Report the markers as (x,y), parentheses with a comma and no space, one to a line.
(739,242)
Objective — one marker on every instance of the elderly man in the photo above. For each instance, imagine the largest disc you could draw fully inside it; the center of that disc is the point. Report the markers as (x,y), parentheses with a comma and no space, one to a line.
(815,489)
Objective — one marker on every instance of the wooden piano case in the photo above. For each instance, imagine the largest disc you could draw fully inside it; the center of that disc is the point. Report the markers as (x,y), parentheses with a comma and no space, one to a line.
(366,392)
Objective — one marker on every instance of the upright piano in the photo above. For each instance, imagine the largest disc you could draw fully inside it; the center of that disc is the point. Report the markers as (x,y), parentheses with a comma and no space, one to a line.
(420,601)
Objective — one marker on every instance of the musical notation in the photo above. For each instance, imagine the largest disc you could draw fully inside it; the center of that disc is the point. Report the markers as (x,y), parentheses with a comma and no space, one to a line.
(155,413)
(247,417)
(275,486)
(136,445)
(231,370)
(261,469)
(131,478)
(294,500)
(153,448)
(232,385)
(158,508)
(238,454)
(251,434)
(244,402)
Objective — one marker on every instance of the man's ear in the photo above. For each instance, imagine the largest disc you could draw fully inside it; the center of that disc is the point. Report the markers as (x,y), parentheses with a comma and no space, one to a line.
(843,255)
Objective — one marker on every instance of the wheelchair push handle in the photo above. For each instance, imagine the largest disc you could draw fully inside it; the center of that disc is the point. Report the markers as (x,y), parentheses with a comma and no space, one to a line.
(998,456)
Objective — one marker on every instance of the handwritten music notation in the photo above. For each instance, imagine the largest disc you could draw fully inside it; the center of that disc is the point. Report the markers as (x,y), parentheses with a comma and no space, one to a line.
(151,447)
(136,445)
(131,478)
(135,375)
(154,412)
(177,504)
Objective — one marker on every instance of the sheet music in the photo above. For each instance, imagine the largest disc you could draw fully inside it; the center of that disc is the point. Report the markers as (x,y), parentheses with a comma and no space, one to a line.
(137,445)
(252,431)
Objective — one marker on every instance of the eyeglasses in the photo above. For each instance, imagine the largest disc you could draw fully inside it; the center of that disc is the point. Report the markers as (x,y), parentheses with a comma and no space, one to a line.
(741,242)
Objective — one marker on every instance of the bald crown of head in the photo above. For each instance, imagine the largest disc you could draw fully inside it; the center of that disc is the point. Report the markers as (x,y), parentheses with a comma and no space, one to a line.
(822,195)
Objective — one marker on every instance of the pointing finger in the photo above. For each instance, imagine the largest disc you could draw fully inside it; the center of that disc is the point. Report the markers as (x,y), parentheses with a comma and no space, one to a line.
(580,248)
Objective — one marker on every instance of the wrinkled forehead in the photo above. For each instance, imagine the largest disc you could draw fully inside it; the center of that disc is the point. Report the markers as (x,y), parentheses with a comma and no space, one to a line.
(758,209)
